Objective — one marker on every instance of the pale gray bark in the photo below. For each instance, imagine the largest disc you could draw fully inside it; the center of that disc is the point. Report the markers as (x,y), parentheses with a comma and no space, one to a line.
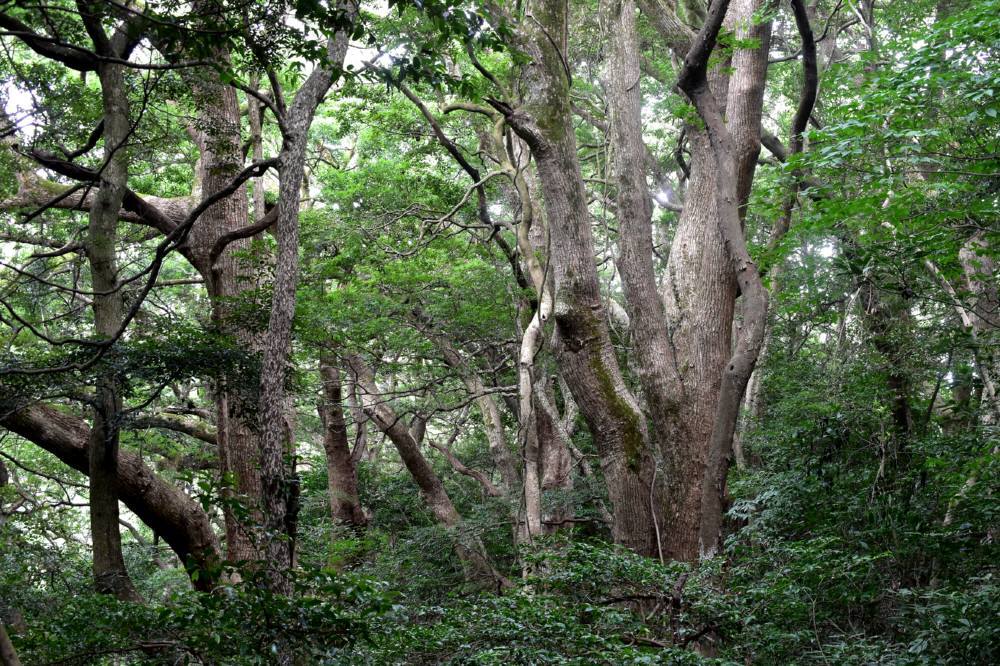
(586,356)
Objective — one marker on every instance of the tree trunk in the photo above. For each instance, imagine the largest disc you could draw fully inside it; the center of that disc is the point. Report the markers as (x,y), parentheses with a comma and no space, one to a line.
(167,510)
(342,477)
(110,574)
(554,458)
(276,483)
(218,135)
(8,655)
(470,550)
(725,156)
(586,357)
(254,121)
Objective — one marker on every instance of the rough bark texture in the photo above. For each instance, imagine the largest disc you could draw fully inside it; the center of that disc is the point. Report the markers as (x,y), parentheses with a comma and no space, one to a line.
(342,477)
(110,574)
(170,513)
(218,138)
(693,80)
(980,276)
(276,482)
(699,289)
(656,364)
(586,356)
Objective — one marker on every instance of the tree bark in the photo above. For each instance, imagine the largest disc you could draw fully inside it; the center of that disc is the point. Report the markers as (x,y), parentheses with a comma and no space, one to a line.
(470,550)
(693,80)
(342,476)
(276,483)
(110,574)
(8,655)
(700,288)
(218,135)
(167,510)
(586,356)
(555,460)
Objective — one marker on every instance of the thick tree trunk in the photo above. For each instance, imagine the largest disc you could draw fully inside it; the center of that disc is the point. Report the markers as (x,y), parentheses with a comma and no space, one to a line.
(342,477)
(656,364)
(167,510)
(699,289)
(586,356)
(736,146)
(218,134)
(725,157)
(700,296)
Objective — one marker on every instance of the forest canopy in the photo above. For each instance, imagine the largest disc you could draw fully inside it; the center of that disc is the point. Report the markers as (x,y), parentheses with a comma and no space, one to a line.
(499,331)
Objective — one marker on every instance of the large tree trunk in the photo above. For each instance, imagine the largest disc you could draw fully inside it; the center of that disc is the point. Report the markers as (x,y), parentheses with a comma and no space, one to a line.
(170,513)
(700,287)
(586,357)
(342,476)
(731,166)
(277,483)
(218,134)
(656,364)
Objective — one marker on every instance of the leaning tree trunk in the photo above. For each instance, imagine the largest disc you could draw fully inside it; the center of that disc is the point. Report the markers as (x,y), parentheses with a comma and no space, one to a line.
(470,550)
(165,508)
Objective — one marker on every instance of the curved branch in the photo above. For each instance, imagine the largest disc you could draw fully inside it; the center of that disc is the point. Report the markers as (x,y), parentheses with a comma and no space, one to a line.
(166,509)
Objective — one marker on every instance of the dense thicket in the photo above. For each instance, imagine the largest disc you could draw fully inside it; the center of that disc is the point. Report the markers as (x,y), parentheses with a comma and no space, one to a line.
(617,331)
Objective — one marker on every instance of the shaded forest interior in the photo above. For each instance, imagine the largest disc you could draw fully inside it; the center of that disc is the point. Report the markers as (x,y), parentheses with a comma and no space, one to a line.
(499,332)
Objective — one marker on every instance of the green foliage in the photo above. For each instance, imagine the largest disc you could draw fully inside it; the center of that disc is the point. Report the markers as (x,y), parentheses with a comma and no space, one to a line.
(586,603)
(232,625)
